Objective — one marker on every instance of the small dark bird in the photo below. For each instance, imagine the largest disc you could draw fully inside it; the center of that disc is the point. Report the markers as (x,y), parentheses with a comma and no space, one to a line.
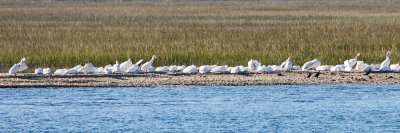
(317,74)
(309,75)
(280,74)
(368,72)
(389,77)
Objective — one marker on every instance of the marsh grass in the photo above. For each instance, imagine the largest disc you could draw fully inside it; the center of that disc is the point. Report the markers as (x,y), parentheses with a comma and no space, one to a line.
(63,34)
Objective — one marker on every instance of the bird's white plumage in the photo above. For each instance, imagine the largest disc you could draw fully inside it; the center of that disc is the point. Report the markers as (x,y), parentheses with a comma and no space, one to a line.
(351,62)
(19,67)
(191,69)
(39,71)
(360,66)
(46,71)
(385,64)
(253,65)
(163,69)
(204,69)
(220,69)
(287,65)
(116,67)
(323,68)
(125,65)
(313,64)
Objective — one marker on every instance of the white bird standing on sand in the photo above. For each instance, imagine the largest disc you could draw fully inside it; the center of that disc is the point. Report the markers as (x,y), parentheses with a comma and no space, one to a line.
(21,66)
(385,64)
(351,62)
(253,65)
(311,65)
(146,67)
(287,65)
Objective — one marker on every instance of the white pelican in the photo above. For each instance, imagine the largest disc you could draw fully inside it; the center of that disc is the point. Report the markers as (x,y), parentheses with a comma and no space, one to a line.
(395,67)
(88,68)
(360,65)
(77,67)
(134,68)
(180,68)
(47,71)
(253,65)
(368,68)
(287,65)
(39,71)
(296,67)
(385,64)
(191,69)
(311,65)
(125,65)
(243,69)
(204,69)
(324,68)
(351,62)
(60,71)
(163,69)
(173,69)
(264,69)
(100,70)
(116,68)
(347,68)
(109,66)
(235,69)
(276,68)
(21,66)
(338,68)
(71,71)
(220,69)
(146,67)
(107,71)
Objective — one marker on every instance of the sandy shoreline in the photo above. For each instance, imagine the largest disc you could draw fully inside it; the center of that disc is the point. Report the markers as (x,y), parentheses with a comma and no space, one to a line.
(288,78)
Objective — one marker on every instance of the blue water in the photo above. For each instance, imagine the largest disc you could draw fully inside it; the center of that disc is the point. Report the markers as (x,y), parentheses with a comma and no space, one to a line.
(322,108)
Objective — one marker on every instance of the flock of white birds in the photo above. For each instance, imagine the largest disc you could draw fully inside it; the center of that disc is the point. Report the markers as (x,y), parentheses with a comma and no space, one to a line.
(253,66)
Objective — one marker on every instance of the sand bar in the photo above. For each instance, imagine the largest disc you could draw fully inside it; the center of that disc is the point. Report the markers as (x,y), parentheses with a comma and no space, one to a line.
(134,80)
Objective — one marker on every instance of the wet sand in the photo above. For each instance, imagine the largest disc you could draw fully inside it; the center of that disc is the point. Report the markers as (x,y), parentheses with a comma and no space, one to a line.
(287,78)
